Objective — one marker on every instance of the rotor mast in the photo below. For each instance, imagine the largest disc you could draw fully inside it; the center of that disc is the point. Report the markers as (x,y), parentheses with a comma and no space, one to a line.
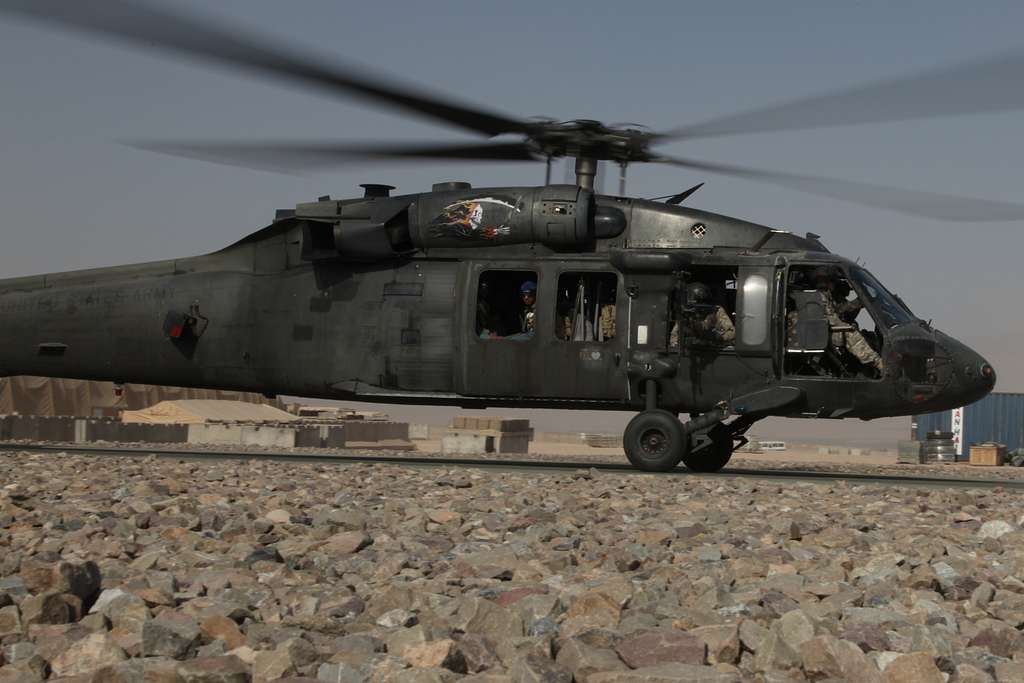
(586,171)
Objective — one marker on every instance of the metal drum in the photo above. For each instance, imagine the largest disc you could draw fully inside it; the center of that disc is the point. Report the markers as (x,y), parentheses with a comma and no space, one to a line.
(939,447)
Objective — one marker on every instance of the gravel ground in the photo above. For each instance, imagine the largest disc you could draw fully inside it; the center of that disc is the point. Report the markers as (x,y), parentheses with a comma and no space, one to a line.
(129,569)
(802,461)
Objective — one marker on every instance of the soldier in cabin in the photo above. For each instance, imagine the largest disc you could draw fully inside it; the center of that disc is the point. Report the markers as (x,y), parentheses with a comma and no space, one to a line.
(844,334)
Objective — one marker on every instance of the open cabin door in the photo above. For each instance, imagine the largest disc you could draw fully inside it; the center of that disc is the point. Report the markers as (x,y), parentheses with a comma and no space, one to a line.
(561,343)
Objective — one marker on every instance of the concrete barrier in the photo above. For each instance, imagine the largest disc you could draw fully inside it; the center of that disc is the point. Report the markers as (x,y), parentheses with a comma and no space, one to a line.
(466,443)
(419,431)
(504,436)
(85,430)
(268,437)
(214,434)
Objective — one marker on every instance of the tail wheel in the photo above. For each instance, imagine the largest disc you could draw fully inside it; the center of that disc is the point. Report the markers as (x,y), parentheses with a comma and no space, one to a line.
(654,441)
(711,456)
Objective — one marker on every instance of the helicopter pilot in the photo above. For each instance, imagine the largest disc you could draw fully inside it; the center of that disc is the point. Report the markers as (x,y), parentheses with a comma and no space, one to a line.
(841,314)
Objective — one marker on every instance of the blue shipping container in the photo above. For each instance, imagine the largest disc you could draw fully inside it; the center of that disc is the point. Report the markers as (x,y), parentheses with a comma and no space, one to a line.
(997,417)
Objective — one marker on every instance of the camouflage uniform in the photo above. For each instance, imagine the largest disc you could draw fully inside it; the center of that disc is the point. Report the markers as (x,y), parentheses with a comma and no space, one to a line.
(608,321)
(714,327)
(846,335)
(528,319)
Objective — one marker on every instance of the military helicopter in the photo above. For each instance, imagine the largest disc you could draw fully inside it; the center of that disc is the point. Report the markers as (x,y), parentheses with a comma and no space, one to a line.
(551,296)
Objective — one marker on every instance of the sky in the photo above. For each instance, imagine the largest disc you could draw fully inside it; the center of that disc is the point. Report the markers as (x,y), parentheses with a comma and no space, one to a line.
(73,197)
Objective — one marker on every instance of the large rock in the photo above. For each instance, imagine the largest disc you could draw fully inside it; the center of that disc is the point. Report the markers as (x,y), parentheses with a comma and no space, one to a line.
(794,628)
(583,660)
(79,579)
(536,668)
(917,667)
(226,669)
(828,657)
(86,655)
(723,642)
(291,656)
(593,609)
(171,634)
(435,653)
(46,608)
(1002,640)
(221,628)
(484,618)
(773,653)
(124,610)
(996,528)
(346,542)
(477,653)
(10,621)
(662,646)
(751,634)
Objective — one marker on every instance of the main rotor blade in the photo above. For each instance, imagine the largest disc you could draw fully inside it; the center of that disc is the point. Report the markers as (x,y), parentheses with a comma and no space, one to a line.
(289,157)
(988,85)
(196,37)
(933,205)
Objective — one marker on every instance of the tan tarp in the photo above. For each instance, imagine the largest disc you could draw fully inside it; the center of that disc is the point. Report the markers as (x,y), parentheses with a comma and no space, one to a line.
(81,398)
(200,411)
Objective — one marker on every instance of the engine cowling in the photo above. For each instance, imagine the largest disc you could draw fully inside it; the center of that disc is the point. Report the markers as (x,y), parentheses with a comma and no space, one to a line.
(558,216)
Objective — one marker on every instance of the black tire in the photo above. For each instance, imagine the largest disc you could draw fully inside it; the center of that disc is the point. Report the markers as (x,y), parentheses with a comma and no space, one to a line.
(654,441)
(710,457)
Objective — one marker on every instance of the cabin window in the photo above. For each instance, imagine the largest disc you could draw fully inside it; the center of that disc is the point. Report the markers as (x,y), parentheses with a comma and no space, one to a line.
(585,307)
(506,305)
(756,312)
(829,333)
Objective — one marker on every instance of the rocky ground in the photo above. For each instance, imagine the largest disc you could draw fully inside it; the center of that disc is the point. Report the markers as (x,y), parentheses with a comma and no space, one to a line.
(788,461)
(121,569)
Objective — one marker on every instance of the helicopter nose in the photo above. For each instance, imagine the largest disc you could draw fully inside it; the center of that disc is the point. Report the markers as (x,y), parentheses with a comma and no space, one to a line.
(973,376)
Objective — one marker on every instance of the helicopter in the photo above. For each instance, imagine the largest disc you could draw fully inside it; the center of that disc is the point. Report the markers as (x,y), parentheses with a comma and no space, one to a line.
(548,296)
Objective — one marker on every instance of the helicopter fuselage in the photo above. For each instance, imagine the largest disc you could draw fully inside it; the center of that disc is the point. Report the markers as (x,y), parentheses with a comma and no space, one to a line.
(412,299)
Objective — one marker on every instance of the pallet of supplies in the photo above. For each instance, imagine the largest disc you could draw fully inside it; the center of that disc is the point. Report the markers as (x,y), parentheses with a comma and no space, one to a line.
(988,454)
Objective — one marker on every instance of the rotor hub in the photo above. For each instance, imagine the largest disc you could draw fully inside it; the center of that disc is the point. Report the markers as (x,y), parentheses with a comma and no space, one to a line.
(586,138)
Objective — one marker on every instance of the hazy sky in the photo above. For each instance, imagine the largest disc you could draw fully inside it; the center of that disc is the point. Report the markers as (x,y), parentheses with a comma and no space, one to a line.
(73,198)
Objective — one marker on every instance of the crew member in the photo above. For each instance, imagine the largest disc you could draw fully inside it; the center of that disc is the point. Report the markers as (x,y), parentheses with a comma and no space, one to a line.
(843,334)
(712,325)
(705,321)
(848,310)
(528,312)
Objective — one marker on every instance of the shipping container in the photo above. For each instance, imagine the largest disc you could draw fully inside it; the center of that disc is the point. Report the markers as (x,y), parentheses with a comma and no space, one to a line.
(998,417)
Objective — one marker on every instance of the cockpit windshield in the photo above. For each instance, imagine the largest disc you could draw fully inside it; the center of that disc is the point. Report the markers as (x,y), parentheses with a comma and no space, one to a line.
(890,307)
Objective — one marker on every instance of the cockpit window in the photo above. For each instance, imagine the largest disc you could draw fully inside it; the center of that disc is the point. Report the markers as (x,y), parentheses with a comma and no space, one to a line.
(890,308)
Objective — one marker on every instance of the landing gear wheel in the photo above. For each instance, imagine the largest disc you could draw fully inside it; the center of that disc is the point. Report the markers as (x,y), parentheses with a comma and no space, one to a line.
(711,456)
(654,441)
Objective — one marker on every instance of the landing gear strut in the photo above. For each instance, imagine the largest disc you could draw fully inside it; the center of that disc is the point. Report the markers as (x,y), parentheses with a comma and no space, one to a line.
(711,448)
(656,441)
